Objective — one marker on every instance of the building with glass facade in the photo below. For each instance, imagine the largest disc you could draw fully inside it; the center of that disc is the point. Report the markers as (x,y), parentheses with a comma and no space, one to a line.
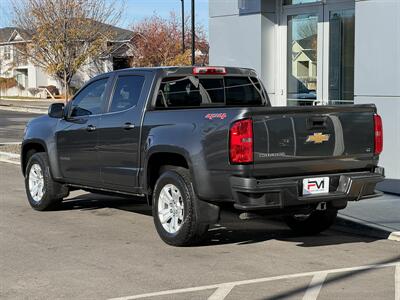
(318,52)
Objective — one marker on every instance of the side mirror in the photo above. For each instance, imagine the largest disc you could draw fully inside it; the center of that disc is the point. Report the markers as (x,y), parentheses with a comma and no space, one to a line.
(56,110)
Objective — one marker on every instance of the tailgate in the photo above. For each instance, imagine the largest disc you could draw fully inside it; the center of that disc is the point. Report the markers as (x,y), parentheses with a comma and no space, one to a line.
(290,141)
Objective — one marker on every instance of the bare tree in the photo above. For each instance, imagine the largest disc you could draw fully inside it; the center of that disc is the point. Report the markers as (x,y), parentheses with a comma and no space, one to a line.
(308,30)
(66,34)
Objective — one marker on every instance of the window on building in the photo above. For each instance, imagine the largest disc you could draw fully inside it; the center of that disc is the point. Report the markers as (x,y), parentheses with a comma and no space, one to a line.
(249,6)
(7,52)
(294,2)
(302,37)
(341,56)
(127,92)
(320,53)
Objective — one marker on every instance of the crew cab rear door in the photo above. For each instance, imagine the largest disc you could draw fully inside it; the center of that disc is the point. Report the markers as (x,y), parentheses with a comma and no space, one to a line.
(120,128)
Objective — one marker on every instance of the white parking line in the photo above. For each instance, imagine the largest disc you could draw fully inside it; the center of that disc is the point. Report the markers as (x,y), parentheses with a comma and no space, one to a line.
(221,292)
(10,158)
(397,282)
(315,286)
(257,280)
(9,161)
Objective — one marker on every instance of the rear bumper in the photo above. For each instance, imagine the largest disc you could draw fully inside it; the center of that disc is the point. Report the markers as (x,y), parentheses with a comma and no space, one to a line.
(280,193)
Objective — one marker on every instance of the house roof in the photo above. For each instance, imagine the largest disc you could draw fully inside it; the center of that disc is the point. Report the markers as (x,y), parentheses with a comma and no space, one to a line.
(311,54)
(7,32)
(120,34)
(308,42)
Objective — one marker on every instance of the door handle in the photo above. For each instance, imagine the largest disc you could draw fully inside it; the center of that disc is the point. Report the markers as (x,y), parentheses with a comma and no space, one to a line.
(91,128)
(128,126)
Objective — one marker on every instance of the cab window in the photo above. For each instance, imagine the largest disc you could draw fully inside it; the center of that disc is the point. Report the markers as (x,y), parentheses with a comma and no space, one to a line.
(91,100)
(193,91)
(127,92)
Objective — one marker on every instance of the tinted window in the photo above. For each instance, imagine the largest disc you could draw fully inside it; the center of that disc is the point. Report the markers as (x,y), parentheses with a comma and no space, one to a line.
(215,89)
(90,100)
(127,92)
(178,92)
(242,91)
(192,91)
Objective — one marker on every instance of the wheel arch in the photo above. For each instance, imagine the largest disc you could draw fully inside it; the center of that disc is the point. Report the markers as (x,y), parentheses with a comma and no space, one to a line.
(156,160)
(28,149)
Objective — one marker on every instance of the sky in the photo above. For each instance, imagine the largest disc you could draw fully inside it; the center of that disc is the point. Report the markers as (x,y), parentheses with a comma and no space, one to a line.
(136,10)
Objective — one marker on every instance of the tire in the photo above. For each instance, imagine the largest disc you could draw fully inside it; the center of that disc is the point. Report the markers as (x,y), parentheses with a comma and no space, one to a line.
(49,193)
(177,183)
(316,222)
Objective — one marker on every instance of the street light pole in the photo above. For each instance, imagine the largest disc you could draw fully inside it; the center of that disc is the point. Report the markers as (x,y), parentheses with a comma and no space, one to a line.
(193,35)
(183,26)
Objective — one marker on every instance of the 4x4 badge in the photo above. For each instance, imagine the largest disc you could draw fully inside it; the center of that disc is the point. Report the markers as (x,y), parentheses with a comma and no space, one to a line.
(318,138)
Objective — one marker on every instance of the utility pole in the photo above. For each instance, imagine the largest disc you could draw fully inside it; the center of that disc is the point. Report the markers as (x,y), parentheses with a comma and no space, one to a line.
(193,35)
(183,26)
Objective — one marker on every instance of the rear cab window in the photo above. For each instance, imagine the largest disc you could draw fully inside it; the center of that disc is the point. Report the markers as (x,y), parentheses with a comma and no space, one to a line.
(203,91)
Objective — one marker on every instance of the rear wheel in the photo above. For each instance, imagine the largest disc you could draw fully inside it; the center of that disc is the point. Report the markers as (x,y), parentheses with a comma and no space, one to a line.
(314,223)
(42,191)
(174,208)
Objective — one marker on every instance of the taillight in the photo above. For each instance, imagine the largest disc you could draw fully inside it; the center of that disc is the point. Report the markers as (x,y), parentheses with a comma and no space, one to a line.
(209,71)
(241,142)
(378,134)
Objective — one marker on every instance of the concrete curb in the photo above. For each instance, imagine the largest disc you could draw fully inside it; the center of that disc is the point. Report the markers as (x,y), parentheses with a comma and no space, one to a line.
(23,109)
(25,99)
(357,226)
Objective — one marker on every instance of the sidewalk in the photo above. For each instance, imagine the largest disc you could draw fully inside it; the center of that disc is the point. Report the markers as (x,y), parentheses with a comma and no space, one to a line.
(28,105)
(380,216)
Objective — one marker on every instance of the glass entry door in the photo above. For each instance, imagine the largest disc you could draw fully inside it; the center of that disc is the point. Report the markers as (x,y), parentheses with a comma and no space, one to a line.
(339,73)
(303,55)
(318,50)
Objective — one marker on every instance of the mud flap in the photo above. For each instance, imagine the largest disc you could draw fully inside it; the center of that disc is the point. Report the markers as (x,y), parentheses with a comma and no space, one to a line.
(206,212)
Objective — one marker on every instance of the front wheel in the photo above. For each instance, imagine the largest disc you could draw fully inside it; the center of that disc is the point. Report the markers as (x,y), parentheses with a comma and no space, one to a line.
(314,223)
(42,191)
(174,208)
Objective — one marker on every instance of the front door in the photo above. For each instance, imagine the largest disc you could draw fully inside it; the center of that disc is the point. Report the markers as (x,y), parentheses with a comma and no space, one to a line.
(303,54)
(318,58)
(77,134)
(119,132)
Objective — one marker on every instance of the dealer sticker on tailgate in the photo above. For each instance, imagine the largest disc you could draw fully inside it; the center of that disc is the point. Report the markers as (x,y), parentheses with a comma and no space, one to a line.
(318,185)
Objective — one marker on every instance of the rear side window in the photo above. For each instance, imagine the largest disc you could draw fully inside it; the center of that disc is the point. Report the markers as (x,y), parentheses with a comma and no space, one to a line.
(127,92)
(242,91)
(192,91)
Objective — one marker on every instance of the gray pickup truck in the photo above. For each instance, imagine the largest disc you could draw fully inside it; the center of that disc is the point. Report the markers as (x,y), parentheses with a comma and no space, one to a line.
(197,141)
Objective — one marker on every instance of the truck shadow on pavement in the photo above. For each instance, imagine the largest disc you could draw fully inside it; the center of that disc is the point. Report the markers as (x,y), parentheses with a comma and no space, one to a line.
(241,232)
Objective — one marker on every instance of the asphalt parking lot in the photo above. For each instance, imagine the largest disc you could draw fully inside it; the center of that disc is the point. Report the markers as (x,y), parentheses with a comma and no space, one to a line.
(98,247)
(12,125)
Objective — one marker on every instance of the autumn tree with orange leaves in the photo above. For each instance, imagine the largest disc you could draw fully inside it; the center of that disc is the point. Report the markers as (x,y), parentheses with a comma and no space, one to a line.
(158,42)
